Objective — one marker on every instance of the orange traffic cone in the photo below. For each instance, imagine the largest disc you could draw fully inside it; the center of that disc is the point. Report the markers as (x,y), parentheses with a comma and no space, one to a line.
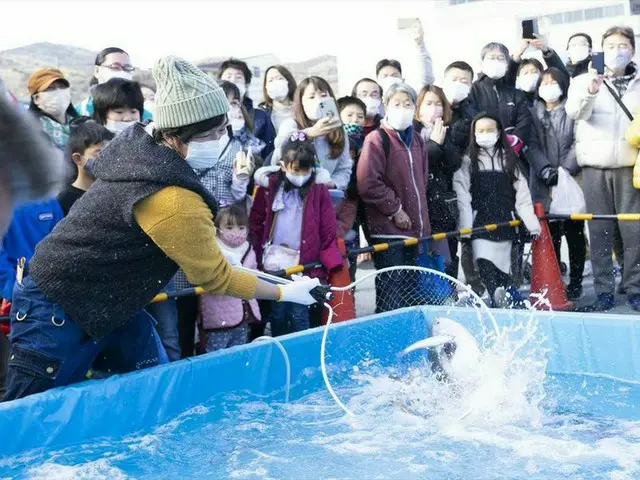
(343,303)
(547,289)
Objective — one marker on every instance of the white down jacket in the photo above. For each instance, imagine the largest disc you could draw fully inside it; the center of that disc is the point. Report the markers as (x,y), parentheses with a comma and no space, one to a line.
(601,124)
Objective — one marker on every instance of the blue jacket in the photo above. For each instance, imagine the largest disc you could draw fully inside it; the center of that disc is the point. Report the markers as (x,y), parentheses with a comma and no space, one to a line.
(31,222)
(262,126)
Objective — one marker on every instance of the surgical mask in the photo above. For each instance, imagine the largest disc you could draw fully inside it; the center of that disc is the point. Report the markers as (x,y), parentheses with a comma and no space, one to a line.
(242,87)
(117,127)
(150,106)
(203,154)
(578,53)
(278,90)
(89,167)
(617,59)
(487,140)
(236,119)
(353,129)
(456,91)
(237,124)
(430,113)
(550,93)
(233,237)
(55,102)
(527,82)
(400,118)
(298,180)
(310,107)
(494,69)
(387,82)
(105,74)
(373,106)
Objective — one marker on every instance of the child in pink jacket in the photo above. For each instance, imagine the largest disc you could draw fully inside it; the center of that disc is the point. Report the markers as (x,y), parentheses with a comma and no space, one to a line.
(225,319)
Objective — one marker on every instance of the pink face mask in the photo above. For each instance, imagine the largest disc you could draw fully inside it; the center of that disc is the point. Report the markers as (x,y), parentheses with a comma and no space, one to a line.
(233,237)
(430,113)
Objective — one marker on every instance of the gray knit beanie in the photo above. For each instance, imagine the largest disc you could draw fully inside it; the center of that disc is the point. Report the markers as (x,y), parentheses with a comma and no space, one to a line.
(185,94)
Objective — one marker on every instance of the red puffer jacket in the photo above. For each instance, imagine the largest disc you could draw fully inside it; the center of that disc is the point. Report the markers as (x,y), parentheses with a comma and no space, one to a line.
(318,236)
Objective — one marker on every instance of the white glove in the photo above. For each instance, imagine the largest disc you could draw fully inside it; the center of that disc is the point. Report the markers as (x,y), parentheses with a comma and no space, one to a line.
(298,290)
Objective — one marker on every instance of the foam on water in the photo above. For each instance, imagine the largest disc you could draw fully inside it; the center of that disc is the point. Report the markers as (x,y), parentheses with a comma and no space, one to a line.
(511,421)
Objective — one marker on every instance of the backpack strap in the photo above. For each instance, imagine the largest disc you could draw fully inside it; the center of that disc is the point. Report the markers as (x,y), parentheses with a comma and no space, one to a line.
(384,136)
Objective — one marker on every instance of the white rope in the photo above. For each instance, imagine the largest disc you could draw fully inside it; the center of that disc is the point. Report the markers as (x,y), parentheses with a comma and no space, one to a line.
(286,363)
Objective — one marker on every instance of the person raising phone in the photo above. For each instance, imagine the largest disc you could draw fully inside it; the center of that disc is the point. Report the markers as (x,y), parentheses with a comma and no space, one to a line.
(329,138)
(607,160)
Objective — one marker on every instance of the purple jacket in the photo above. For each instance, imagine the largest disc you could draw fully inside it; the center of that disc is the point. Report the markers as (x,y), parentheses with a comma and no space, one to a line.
(318,236)
(386,184)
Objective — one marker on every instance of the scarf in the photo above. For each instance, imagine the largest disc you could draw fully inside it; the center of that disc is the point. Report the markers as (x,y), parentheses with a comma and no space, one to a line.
(233,255)
(621,82)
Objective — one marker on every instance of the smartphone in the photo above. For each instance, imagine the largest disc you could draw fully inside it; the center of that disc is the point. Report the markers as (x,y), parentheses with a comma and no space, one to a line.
(597,61)
(327,107)
(530,29)
(406,23)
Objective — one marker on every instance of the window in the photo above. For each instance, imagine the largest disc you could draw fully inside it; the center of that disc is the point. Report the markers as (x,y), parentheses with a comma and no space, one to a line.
(594,13)
(576,16)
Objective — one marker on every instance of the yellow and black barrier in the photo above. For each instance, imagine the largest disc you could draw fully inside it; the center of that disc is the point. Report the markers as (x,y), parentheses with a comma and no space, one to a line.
(378,247)
(621,217)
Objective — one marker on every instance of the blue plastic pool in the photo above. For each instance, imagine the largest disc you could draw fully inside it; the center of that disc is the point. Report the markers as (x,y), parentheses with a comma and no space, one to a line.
(223,416)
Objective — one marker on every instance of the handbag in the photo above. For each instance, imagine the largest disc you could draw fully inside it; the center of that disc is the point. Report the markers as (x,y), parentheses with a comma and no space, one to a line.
(278,257)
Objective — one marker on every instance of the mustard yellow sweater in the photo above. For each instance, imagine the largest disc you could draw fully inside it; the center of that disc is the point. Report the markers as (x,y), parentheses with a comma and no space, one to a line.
(181,224)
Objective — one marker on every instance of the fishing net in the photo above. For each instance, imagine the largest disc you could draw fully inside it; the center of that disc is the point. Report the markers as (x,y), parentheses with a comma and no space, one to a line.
(359,353)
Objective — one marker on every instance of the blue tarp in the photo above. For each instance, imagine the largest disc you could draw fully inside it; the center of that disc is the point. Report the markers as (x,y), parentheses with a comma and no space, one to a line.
(118,406)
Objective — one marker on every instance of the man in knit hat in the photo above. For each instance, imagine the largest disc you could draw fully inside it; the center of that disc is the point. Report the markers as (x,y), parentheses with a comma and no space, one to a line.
(146,215)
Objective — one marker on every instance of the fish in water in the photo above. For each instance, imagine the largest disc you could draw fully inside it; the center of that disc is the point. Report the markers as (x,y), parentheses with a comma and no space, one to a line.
(455,352)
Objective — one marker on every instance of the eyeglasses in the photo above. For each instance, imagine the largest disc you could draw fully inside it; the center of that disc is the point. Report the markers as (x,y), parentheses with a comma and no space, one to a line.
(116,67)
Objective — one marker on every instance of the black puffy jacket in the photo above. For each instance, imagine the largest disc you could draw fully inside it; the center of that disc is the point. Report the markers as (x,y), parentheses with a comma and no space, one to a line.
(505,102)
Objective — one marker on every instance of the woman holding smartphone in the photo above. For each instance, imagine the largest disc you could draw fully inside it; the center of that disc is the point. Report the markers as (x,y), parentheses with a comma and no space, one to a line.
(316,115)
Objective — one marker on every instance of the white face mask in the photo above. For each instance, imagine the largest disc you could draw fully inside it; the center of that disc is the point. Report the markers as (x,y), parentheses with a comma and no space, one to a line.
(387,82)
(310,107)
(298,180)
(578,53)
(203,154)
(150,106)
(528,82)
(117,127)
(487,140)
(242,87)
(456,91)
(105,74)
(617,59)
(373,106)
(550,93)
(237,124)
(236,120)
(55,102)
(429,114)
(400,118)
(278,90)
(494,69)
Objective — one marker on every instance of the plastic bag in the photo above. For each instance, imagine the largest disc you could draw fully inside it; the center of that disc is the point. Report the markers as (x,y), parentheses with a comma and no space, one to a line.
(567,196)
